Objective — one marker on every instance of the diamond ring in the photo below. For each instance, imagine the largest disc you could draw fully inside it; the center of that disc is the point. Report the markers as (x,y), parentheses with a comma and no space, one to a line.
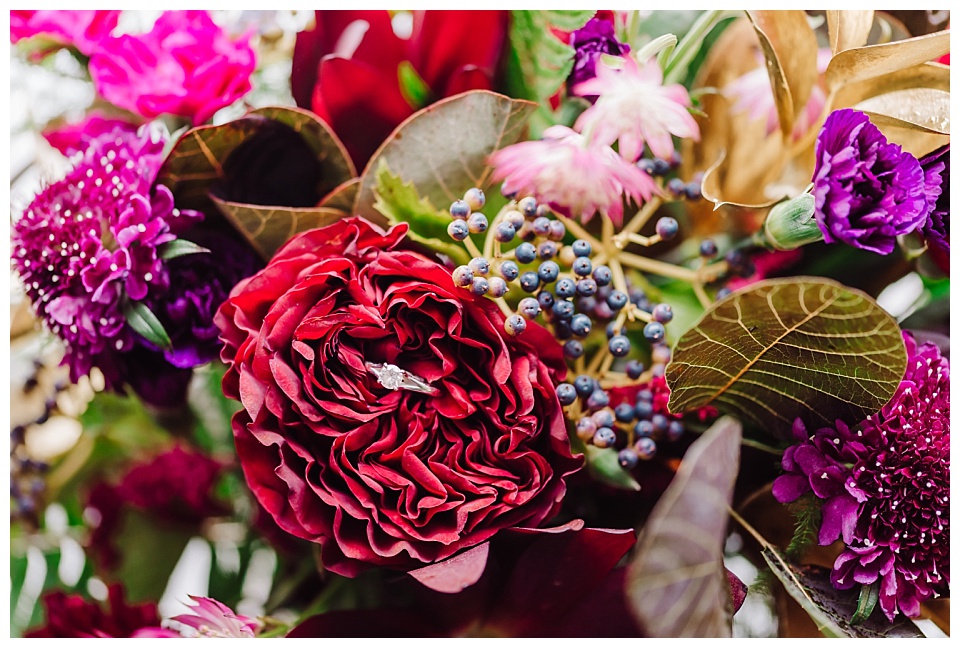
(393,377)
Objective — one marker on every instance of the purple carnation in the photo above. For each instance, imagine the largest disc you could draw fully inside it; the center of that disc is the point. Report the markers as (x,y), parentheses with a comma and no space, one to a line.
(868,191)
(590,42)
(89,241)
(936,180)
(885,486)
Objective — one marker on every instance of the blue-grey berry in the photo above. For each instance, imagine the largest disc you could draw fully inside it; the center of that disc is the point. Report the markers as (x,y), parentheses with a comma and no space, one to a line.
(643,410)
(566,393)
(546,250)
(459,209)
(477,223)
(566,287)
(634,369)
(509,270)
(480,286)
(529,281)
(557,231)
(603,418)
(458,230)
(586,287)
(580,325)
(619,345)
(526,252)
(708,248)
(480,266)
(515,325)
(660,422)
(667,227)
(498,287)
(582,266)
(663,313)
(646,448)
(623,413)
(586,428)
(505,232)
(602,275)
(541,225)
(643,428)
(475,198)
(582,248)
(654,331)
(604,437)
(528,206)
(616,300)
(515,218)
(675,430)
(529,307)
(463,276)
(584,385)
(628,459)
(548,271)
(573,349)
(563,309)
(546,299)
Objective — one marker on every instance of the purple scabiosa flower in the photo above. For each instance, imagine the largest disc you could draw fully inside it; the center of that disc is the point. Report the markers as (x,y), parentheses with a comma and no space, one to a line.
(868,191)
(885,486)
(590,42)
(211,618)
(574,177)
(633,108)
(936,181)
(88,242)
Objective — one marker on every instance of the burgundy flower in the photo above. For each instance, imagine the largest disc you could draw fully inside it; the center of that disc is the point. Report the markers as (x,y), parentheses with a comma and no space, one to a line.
(89,241)
(186,66)
(346,69)
(83,30)
(176,486)
(886,487)
(592,41)
(867,191)
(936,230)
(70,616)
(376,475)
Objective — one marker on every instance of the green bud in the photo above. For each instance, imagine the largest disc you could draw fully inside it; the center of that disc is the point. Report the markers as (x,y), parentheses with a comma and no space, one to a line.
(791,224)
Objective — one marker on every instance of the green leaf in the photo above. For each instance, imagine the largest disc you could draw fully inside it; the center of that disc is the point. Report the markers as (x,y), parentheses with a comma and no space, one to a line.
(268,228)
(400,203)
(178,248)
(539,63)
(604,466)
(866,602)
(443,149)
(142,320)
(676,584)
(412,86)
(149,550)
(195,165)
(786,348)
(830,608)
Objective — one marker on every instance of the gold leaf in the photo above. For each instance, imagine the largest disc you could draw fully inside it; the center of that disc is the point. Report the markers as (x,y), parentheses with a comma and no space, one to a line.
(848,28)
(923,109)
(790,48)
(876,60)
(925,75)
(710,189)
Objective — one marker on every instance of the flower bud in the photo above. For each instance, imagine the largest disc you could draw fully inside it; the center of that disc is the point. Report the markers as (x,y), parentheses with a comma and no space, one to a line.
(791,224)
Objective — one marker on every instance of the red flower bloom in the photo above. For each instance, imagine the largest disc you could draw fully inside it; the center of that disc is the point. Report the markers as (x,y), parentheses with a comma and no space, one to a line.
(389,477)
(70,616)
(346,69)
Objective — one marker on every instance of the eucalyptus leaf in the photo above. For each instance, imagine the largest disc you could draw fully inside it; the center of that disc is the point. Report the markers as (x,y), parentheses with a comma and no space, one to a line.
(268,228)
(871,61)
(399,202)
(786,348)
(443,148)
(179,248)
(196,163)
(676,583)
(142,320)
(604,466)
(790,48)
(342,197)
(829,607)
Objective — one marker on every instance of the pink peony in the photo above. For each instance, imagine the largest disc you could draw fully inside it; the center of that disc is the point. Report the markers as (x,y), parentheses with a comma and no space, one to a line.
(574,177)
(635,107)
(81,29)
(185,66)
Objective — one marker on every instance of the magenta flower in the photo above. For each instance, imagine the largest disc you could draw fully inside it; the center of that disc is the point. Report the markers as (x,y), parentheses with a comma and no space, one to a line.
(70,616)
(75,137)
(867,191)
(83,30)
(89,241)
(633,108)
(885,486)
(574,177)
(590,42)
(185,66)
(212,618)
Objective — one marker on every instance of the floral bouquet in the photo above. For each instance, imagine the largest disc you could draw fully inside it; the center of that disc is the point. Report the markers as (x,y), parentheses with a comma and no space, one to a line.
(480,323)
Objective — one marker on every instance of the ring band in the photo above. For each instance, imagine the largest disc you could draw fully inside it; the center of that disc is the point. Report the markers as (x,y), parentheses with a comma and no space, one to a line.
(393,377)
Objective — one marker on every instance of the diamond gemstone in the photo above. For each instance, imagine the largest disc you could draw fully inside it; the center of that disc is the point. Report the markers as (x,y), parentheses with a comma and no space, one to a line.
(390,376)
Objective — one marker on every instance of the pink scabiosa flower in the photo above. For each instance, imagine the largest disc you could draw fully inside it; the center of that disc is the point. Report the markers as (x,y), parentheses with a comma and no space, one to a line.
(752,94)
(573,176)
(868,191)
(74,137)
(211,618)
(185,66)
(635,107)
(885,485)
(87,243)
(83,30)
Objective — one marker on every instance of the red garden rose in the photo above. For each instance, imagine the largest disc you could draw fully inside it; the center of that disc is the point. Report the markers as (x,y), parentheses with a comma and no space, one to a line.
(376,476)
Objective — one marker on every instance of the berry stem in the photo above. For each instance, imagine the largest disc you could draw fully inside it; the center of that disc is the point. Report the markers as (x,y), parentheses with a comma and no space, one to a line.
(645,241)
(504,306)
(654,266)
(640,218)
(578,231)
(472,248)
(701,294)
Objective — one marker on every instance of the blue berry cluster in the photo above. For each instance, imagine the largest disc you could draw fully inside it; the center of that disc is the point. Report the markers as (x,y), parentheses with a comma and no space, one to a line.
(659,168)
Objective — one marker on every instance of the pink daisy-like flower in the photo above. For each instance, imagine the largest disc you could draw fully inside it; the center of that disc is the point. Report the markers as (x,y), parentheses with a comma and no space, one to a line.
(573,176)
(89,241)
(212,618)
(752,94)
(885,486)
(635,107)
